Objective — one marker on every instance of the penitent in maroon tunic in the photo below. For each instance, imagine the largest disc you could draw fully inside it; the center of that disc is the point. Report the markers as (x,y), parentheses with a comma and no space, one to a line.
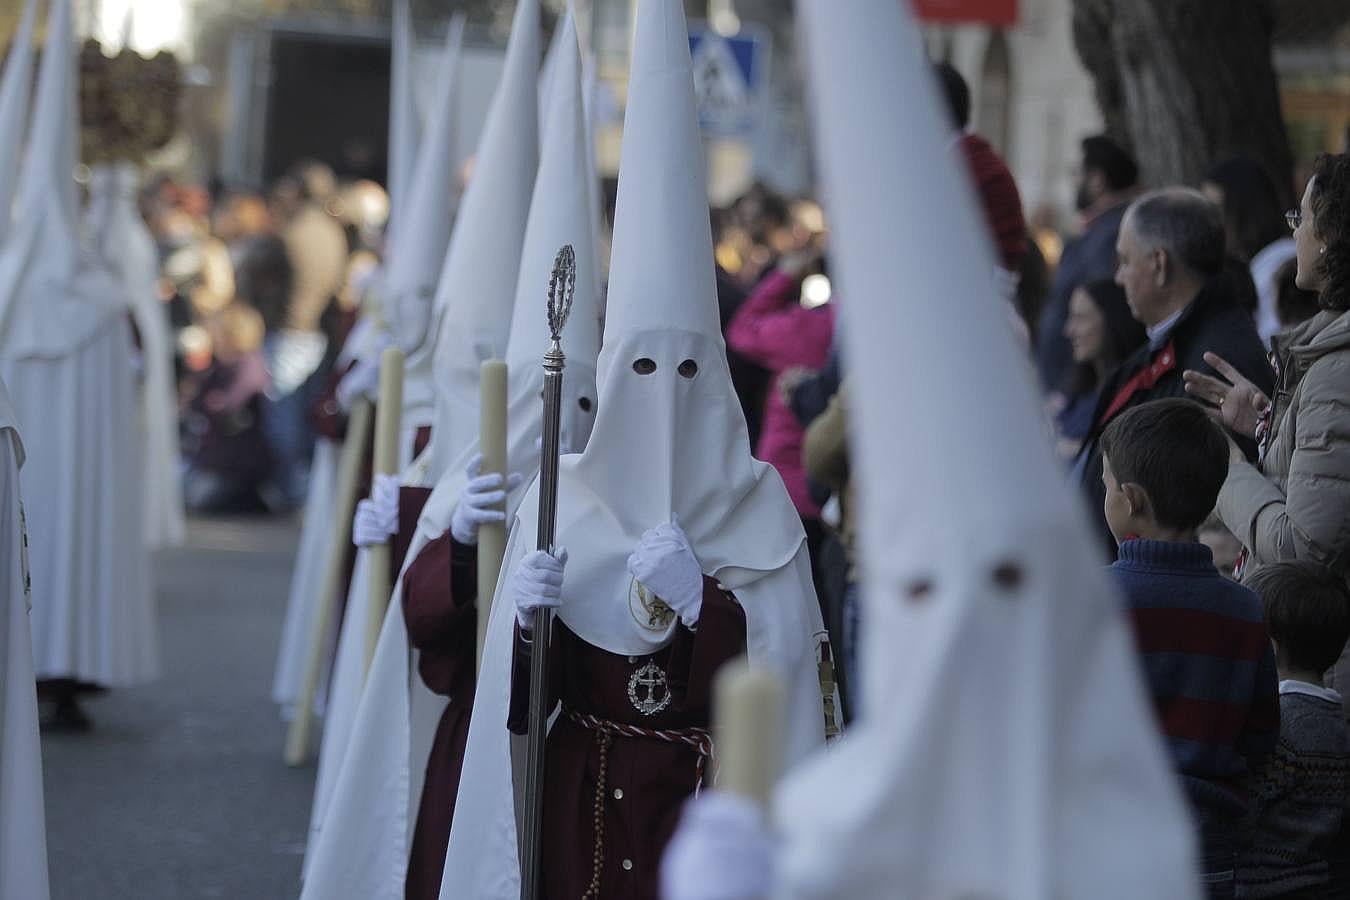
(612,799)
(439,591)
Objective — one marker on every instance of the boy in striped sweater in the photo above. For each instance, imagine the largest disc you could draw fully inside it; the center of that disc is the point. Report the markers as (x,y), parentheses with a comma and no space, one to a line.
(1299,848)
(1202,641)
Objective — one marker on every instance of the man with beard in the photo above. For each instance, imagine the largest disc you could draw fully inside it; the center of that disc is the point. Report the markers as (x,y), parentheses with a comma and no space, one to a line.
(1106,185)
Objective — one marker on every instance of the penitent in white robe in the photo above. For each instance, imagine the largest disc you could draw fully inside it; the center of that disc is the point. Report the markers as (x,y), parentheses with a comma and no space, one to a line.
(71,382)
(126,247)
(23,841)
(348,672)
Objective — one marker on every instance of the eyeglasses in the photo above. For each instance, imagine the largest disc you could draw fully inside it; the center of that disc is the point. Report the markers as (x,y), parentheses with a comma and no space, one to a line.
(1295,218)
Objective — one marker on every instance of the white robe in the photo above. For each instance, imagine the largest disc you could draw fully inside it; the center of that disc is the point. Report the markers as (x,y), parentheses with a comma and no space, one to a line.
(23,842)
(93,610)
(359,848)
(347,684)
(302,605)
(125,245)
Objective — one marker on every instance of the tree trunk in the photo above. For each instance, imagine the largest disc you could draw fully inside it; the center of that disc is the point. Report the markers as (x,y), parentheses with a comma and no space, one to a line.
(1186,83)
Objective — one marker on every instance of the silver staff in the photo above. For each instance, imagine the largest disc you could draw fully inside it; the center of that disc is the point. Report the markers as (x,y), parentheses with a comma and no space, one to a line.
(561,288)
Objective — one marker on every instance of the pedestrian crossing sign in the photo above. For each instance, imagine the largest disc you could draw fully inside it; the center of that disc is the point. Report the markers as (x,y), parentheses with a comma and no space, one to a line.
(727,76)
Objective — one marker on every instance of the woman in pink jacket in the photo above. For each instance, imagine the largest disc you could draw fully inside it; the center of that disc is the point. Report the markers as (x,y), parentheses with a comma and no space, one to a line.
(776,330)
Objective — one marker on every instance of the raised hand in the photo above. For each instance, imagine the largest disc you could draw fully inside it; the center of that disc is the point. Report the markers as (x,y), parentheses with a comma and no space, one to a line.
(1240,403)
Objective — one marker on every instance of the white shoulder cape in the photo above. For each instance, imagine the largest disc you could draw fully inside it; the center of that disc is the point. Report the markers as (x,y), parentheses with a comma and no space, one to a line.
(782,621)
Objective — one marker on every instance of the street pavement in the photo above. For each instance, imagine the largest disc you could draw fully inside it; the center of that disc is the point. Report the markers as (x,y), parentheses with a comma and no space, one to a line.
(180,792)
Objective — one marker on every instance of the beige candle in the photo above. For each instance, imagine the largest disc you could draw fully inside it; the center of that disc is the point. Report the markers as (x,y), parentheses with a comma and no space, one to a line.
(747,731)
(388,419)
(492,444)
(344,505)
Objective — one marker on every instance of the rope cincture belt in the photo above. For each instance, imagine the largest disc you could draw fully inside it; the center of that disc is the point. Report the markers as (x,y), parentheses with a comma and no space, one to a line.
(697,739)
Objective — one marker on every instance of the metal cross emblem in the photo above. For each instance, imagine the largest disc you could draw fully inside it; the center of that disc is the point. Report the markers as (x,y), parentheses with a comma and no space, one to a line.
(647,690)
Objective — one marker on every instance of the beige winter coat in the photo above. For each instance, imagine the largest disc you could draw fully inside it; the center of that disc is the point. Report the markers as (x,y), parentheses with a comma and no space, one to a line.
(1297,506)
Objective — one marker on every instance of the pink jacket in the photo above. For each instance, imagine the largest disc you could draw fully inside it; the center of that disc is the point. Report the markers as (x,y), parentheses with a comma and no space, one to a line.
(774,330)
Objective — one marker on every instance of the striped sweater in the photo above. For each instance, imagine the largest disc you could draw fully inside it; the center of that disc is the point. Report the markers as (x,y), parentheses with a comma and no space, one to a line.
(1301,802)
(1211,672)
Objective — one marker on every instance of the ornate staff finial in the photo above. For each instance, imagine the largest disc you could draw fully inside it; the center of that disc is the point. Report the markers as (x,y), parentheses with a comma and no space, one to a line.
(562,287)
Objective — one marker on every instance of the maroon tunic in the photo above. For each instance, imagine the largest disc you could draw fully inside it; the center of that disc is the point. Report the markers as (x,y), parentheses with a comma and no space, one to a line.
(439,591)
(410,503)
(646,780)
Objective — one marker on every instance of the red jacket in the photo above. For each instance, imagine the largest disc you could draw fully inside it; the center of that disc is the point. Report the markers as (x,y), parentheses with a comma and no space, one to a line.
(774,330)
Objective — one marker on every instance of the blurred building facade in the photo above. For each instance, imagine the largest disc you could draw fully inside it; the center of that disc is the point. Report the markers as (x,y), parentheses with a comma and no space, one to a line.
(1032,98)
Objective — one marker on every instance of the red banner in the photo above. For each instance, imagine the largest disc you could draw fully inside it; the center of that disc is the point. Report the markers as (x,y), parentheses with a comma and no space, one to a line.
(1002,13)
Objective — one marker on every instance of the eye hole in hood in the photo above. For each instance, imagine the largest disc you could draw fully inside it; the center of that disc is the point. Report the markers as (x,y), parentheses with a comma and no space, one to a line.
(644,366)
(688,368)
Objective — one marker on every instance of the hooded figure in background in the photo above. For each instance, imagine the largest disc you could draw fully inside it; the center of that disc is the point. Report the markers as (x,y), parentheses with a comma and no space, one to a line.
(424,218)
(682,551)
(65,351)
(1006,747)
(474,297)
(23,834)
(125,246)
(414,712)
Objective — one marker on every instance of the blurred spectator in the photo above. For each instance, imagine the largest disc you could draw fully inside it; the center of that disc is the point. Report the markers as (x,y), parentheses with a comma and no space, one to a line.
(1296,504)
(316,246)
(993,182)
(749,379)
(1223,546)
(1303,793)
(227,455)
(1033,287)
(1237,278)
(1171,250)
(826,460)
(777,330)
(1102,333)
(1105,187)
(263,278)
(1254,228)
(1293,305)
(1205,651)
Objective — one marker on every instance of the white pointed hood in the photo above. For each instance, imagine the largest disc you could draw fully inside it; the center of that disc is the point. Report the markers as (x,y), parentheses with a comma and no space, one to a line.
(416,254)
(51,299)
(648,435)
(546,75)
(404,126)
(558,211)
(672,443)
(15,84)
(1006,747)
(48,192)
(478,281)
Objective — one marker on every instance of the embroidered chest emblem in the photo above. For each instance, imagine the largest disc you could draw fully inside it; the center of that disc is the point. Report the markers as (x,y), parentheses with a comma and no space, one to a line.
(647,609)
(647,690)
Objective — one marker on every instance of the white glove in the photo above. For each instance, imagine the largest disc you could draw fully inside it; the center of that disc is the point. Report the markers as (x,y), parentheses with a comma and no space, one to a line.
(476,505)
(665,562)
(377,516)
(537,583)
(721,851)
(362,381)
